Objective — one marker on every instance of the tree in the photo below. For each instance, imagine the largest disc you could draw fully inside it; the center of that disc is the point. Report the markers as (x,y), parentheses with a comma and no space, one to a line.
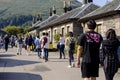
(13,30)
(26,29)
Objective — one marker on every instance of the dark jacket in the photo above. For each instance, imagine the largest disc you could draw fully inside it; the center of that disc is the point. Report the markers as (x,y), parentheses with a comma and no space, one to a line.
(108,55)
(6,40)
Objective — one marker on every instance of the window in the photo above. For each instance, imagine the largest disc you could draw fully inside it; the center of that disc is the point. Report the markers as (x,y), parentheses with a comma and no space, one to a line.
(55,31)
(99,28)
(68,27)
(62,31)
(48,33)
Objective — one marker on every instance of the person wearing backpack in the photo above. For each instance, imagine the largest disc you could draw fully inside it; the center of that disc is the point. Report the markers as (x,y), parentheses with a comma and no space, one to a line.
(42,44)
(45,46)
(38,46)
(70,45)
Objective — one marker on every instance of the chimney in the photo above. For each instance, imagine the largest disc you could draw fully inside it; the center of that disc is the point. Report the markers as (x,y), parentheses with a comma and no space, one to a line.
(40,18)
(54,10)
(70,7)
(64,3)
(65,8)
(50,11)
(90,1)
(33,21)
(84,2)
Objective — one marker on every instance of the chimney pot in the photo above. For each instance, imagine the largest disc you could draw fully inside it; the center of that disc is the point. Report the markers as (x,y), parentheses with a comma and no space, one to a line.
(64,4)
(65,8)
(70,7)
(54,10)
(50,11)
(84,2)
(90,1)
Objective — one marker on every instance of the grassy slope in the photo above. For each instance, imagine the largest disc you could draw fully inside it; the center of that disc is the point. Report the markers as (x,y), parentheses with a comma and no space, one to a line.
(10,8)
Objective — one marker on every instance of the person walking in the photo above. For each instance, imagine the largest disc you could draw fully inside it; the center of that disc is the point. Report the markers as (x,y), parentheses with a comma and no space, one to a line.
(62,46)
(19,44)
(70,46)
(42,39)
(108,54)
(45,46)
(29,43)
(38,46)
(88,46)
(12,41)
(1,44)
(6,40)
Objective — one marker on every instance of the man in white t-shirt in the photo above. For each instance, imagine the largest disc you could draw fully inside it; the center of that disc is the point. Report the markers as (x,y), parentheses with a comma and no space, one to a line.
(45,46)
(42,53)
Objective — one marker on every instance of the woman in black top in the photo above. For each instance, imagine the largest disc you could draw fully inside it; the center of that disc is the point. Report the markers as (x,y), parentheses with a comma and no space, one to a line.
(108,54)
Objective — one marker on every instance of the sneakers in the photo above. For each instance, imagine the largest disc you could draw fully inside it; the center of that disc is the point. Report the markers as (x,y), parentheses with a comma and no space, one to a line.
(73,64)
(17,53)
(69,66)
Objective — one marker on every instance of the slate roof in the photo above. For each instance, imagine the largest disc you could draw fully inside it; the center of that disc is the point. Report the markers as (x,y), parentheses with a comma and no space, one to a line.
(72,15)
(40,24)
(34,26)
(51,18)
(107,10)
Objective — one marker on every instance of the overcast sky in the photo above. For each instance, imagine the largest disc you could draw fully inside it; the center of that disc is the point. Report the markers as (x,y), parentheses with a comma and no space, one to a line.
(99,2)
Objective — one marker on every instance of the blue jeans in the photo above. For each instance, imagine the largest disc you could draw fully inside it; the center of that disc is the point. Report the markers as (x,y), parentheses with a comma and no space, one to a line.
(39,52)
(71,57)
(46,54)
(62,46)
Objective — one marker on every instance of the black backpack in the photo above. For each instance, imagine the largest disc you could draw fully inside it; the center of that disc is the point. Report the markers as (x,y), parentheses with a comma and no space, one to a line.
(72,43)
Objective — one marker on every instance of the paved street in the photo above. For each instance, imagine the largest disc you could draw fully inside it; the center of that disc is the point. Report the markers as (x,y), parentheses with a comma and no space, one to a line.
(23,67)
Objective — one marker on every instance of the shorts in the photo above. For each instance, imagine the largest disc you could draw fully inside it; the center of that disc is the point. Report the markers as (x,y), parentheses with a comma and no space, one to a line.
(89,70)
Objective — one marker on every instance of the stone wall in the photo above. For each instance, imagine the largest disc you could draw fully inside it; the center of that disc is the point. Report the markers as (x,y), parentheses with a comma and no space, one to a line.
(106,23)
(110,22)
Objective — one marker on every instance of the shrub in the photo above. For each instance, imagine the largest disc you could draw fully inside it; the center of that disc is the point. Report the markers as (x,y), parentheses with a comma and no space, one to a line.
(56,37)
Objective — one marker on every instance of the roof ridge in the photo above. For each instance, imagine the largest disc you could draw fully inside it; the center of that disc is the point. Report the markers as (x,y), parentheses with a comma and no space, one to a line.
(48,20)
(118,7)
(84,7)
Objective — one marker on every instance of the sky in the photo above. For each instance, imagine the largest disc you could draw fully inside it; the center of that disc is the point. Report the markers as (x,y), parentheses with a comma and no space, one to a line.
(99,2)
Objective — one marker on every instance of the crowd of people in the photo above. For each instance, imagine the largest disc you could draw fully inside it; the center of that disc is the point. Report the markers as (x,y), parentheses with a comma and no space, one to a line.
(29,42)
(94,50)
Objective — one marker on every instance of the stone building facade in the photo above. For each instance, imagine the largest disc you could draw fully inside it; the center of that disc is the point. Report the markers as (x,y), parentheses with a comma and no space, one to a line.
(68,22)
(106,17)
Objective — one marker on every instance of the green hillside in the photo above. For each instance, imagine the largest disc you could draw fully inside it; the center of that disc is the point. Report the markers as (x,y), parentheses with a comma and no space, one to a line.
(21,12)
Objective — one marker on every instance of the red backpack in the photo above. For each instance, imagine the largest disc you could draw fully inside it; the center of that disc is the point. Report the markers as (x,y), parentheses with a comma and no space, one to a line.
(45,40)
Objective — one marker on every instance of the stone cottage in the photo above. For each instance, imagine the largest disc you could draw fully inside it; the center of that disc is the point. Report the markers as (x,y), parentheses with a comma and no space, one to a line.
(66,7)
(69,21)
(106,17)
